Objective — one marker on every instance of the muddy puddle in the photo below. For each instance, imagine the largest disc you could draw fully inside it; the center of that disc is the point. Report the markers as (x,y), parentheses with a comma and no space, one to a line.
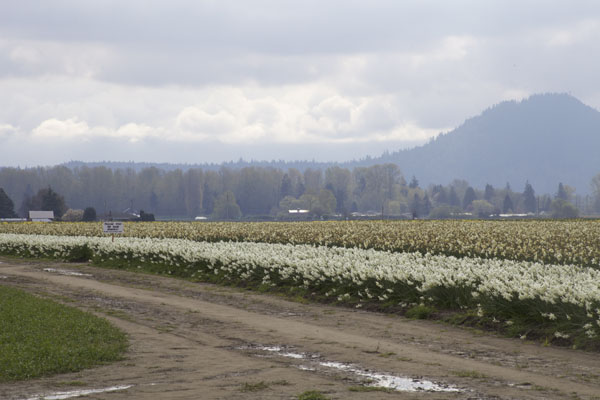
(65,272)
(316,363)
(77,393)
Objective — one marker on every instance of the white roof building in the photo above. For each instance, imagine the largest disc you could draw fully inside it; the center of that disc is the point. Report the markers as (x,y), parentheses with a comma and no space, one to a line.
(298,211)
(41,216)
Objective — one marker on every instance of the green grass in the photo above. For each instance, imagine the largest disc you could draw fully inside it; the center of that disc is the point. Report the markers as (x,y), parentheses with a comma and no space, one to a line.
(420,312)
(39,337)
(312,395)
(254,387)
(262,385)
(470,374)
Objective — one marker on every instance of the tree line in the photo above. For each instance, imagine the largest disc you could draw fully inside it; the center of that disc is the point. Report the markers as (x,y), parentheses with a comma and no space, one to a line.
(269,192)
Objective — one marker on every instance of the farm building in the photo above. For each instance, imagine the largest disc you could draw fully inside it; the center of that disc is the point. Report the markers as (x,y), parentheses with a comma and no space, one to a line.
(41,216)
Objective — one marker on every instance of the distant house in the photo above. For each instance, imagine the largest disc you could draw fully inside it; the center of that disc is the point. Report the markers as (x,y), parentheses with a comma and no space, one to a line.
(41,216)
(298,211)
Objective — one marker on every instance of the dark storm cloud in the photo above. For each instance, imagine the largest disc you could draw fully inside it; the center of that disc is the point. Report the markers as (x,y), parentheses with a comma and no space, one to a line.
(198,42)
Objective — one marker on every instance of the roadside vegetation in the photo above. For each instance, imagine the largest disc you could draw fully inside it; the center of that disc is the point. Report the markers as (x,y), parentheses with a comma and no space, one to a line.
(39,337)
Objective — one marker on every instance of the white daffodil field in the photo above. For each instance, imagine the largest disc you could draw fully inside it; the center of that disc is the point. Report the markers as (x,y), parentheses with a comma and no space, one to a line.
(553,302)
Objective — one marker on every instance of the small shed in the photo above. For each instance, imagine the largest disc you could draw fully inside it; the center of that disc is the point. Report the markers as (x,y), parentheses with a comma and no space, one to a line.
(41,216)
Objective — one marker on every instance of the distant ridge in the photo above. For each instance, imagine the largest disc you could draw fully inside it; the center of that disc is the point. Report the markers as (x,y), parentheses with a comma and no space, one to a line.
(544,139)
(138,166)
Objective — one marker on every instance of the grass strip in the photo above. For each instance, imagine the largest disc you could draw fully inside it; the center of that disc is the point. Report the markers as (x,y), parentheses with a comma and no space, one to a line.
(39,337)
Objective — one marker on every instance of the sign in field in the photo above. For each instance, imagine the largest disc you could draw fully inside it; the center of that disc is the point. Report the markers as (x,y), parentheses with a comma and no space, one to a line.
(112,227)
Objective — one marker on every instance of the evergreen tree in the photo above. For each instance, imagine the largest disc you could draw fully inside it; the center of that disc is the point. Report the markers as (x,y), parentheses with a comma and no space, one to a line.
(426,205)
(286,186)
(562,194)
(26,203)
(507,207)
(470,196)
(48,200)
(7,207)
(442,197)
(153,201)
(89,214)
(453,199)
(300,189)
(439,195)
(489,193)
(415,206)
(529,200)
(414,183)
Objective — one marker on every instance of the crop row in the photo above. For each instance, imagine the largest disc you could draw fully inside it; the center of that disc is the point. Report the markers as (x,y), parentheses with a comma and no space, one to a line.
(562,299)
(551,242)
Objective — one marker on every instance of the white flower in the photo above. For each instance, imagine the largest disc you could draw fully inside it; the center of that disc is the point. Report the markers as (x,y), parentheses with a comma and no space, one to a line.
(561,335)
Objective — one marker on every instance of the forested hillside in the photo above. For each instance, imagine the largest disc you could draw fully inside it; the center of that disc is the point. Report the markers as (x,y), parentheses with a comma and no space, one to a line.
(545,139)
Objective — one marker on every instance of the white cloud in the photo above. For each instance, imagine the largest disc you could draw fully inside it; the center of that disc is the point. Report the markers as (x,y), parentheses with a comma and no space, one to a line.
(194,123)
(30,57)
(588,29)
(133,132)
(253,115)
(7,131)
(68,129)
(448,49)
(73,130)
(24,55)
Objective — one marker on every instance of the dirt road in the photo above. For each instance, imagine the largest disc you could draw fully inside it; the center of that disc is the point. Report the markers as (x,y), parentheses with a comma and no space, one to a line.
(201,341)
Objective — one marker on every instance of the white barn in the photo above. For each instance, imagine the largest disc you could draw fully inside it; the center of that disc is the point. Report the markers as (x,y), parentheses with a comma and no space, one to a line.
(41,216)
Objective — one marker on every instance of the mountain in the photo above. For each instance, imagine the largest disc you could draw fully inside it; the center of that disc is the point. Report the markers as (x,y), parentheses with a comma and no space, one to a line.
(545,139)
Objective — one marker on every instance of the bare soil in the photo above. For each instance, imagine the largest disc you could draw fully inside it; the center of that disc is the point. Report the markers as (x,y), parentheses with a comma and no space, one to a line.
(202,341)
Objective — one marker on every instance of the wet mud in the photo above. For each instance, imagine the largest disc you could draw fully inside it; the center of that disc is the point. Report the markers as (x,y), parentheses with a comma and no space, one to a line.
(191,340)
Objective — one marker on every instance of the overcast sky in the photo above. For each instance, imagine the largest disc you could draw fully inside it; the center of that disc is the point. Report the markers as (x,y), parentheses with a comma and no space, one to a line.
(210,81)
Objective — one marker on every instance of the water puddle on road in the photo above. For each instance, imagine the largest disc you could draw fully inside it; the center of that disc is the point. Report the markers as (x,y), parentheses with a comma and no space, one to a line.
(391,381)
(77,393)
(375,379)
(65,272)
